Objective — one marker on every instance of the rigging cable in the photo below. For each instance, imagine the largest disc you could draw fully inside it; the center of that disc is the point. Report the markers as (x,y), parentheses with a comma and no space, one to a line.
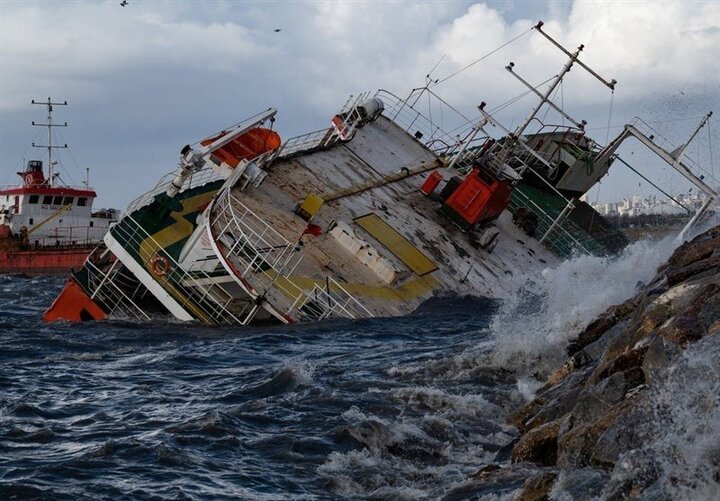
(485,56)
(432,133)
(612,102)
(607,139)
(712,166)
(75,162)
(562,99)
(651,183)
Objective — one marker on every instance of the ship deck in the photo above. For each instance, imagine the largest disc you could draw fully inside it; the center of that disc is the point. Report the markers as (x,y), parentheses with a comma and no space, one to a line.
(387,245)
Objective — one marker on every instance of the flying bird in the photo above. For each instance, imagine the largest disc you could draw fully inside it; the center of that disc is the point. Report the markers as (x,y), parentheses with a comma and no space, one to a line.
(278,30)
(123,3)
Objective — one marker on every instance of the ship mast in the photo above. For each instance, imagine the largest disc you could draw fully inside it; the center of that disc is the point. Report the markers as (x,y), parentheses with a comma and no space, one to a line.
(49,103)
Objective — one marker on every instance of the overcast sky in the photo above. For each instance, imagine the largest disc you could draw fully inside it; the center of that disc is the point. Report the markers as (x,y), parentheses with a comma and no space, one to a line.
(145,79)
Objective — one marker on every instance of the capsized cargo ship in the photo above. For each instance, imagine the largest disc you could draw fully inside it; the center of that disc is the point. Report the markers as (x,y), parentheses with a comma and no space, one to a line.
(371,216)
(47,226)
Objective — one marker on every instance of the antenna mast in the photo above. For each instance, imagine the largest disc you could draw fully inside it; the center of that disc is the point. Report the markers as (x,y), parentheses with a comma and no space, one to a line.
(49,103)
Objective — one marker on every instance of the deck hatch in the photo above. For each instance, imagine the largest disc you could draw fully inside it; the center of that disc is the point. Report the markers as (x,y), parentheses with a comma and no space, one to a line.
(397,244)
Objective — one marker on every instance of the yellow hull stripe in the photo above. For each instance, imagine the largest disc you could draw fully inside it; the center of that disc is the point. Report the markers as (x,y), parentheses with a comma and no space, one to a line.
(180,229)
(396,243)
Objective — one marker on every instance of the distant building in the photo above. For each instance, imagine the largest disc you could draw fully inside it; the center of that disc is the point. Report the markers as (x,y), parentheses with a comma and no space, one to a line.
(637,205)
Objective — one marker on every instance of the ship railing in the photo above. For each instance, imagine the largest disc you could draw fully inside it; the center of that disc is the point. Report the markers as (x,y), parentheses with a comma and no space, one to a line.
(251,240)
(205,175)
(464,159)
(331,301)
(79,187)
(312,141)
(196,290)
(68,235)
(319,139)
(266,259)
(105,289)
(520,159)
(648,131)
(405,114)
(550,230)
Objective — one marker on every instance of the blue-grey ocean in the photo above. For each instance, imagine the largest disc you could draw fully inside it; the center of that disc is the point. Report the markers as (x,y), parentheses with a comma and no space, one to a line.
(114,409)
(397,408)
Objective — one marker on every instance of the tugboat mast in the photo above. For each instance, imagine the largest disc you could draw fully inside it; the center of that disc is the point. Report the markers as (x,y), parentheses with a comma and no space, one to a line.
(49,103)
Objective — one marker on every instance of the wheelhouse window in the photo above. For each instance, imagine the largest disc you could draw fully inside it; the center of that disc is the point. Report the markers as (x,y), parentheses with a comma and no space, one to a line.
(57,200)
(68,201)
(47,200)
(82,201)
(34,199)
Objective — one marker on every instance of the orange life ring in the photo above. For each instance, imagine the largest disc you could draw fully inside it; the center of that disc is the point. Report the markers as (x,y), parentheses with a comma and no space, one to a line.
(160,265)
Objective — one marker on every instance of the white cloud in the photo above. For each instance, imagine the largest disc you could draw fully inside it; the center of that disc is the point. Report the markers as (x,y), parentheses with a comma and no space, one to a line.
(159,74)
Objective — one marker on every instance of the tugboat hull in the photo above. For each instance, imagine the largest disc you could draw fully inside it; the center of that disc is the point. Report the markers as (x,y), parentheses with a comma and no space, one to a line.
(43,261)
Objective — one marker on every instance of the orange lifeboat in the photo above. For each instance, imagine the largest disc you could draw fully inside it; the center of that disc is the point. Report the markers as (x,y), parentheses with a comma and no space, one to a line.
(246,147)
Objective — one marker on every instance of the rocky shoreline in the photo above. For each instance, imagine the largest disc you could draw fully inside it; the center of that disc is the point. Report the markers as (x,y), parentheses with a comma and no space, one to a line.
(633,413)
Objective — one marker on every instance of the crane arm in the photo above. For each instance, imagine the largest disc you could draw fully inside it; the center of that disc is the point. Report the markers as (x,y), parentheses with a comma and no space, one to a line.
(52,216)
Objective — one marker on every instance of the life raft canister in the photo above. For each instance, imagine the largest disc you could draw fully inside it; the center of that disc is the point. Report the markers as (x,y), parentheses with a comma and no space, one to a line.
(159,265)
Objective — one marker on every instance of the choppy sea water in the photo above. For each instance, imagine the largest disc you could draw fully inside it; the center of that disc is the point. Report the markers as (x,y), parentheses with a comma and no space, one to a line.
(385,408)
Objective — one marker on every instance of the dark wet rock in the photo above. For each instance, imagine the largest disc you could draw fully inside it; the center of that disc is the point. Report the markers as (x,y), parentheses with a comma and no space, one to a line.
(593,352)
(708,265)
(537,487)
(714,328)
(588,428)
(654,316)
(632,474)
(709,311)
(575,447)
(682,330)
(657,358)
(500,482)
(596,399)
(622,350)
(627,432)
(699,248)
(555,408)
(604,322)
(551,402)
(539,445)
(695,321)
(504,453)
(485,470)
(580,485)
(623,362)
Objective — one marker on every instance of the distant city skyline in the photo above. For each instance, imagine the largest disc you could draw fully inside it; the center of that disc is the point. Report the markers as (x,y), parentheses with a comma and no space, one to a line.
(636,205)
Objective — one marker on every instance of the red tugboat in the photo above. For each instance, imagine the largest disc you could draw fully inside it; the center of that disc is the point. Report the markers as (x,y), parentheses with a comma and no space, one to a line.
(46,226)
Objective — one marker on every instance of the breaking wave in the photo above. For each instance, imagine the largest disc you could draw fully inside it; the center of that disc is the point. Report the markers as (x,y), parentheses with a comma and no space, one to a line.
(404,408)
(680,456)
(532,328)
